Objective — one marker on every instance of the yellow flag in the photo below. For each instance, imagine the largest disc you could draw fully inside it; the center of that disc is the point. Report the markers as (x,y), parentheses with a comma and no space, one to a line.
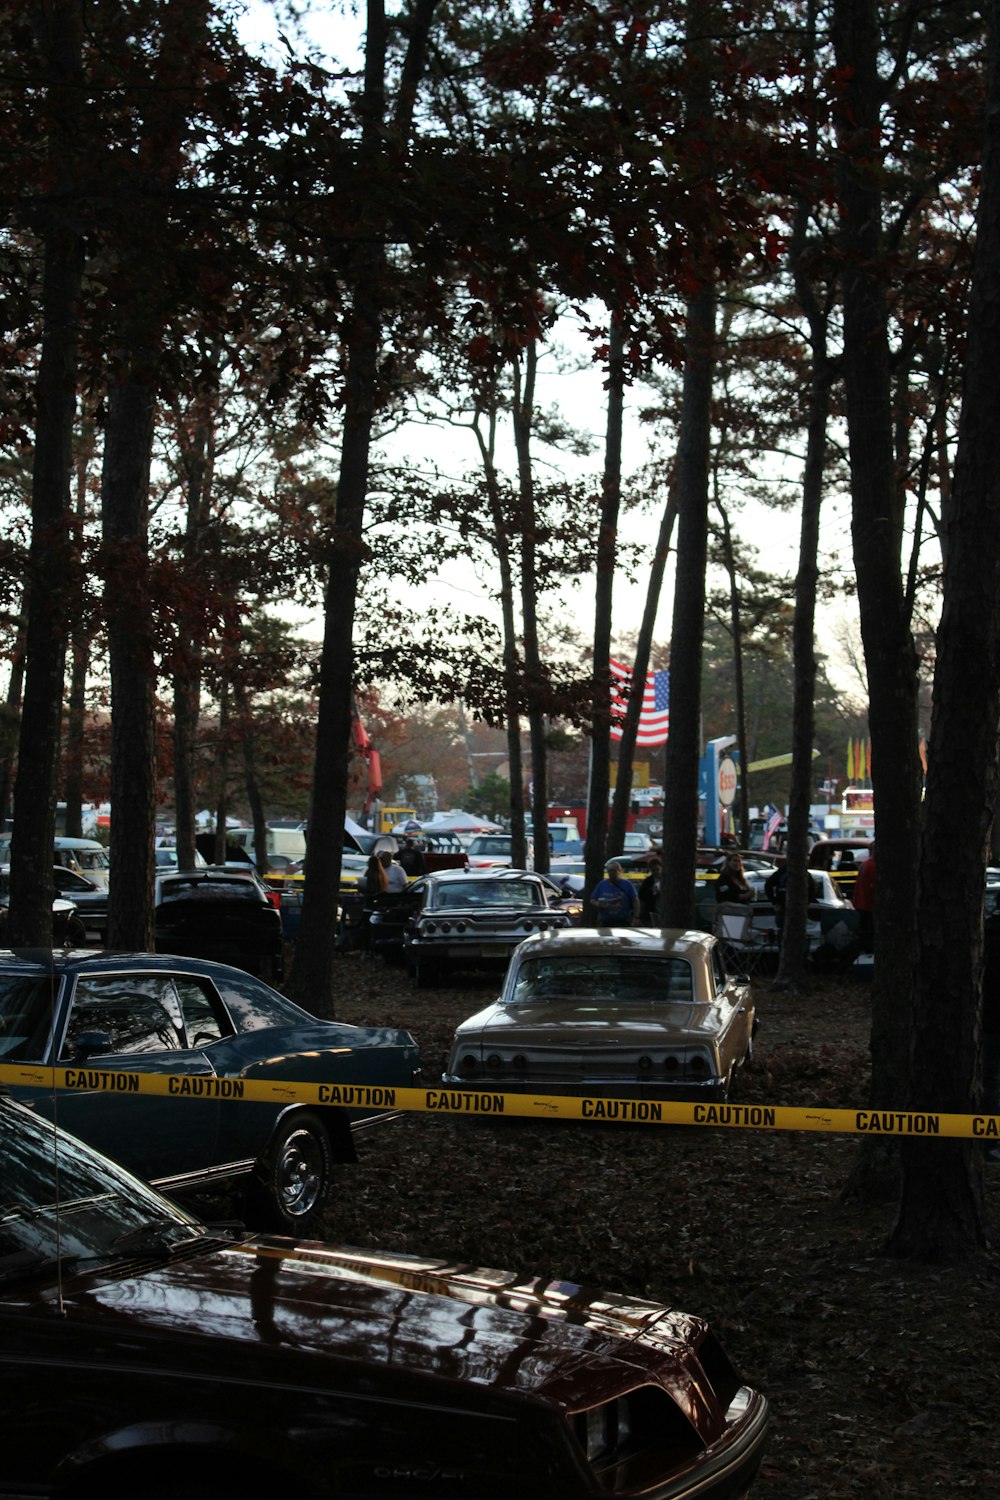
(850,760)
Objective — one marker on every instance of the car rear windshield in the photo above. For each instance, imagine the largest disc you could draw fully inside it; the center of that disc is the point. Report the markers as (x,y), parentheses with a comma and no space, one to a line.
(613,977)
(505,893)
(210,890)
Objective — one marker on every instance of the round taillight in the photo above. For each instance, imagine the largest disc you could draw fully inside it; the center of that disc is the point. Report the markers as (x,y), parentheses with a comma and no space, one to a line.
(699,1065)
(645,1063)
(445,926)
(459,926)
(520,1063)
(428,927)
(494,1062)
(671,1064)
(468,1065)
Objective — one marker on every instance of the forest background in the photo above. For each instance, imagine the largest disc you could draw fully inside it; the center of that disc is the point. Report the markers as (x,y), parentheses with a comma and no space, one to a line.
(234,278)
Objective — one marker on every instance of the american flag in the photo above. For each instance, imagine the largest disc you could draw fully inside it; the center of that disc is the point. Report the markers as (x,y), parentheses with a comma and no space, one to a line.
(654,720)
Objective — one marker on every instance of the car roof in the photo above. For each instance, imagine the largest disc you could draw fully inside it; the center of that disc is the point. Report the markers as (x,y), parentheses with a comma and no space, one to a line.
(443,877)
(582,942)
(83,960)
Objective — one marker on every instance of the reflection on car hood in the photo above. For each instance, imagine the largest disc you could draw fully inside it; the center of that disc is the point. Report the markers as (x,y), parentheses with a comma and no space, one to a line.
(577,1024)
(402,1314)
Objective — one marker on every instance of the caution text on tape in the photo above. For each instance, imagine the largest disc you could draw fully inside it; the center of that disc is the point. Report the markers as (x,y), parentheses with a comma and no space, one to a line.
(452,1101)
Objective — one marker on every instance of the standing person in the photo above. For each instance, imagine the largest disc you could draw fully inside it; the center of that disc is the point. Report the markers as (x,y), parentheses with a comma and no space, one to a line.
(395,875)
(775,887)
(615,897)
(649,894)
(732,884)
(411,858)
(864,902)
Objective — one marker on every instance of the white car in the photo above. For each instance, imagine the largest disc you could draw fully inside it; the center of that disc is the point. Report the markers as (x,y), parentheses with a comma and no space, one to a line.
(491,850)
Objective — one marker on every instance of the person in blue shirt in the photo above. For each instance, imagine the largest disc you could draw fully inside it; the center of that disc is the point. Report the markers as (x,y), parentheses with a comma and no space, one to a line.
(615,898)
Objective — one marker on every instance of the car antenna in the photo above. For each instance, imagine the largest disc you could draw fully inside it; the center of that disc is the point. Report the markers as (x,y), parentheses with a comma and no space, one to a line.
(56,1178)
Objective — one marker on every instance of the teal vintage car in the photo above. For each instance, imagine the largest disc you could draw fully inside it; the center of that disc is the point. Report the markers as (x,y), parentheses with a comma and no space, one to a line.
(151,1013)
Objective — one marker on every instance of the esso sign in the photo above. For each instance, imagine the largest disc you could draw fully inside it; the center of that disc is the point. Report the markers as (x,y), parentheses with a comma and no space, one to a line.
(727,781)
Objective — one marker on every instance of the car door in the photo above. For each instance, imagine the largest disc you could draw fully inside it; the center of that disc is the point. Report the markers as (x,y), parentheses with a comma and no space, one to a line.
(125,1023)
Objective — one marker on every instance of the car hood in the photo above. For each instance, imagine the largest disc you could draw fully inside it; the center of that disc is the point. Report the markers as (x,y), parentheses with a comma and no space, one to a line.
(581,1024)
(403,1315)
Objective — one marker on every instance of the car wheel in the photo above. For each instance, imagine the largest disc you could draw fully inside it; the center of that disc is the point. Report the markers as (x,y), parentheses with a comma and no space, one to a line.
(292,1181)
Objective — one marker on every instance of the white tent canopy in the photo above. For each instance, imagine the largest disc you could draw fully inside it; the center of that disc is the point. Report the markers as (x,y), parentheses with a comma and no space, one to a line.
(459,822)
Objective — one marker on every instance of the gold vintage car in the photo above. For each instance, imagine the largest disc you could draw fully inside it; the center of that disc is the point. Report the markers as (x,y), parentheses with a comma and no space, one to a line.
(627,1012)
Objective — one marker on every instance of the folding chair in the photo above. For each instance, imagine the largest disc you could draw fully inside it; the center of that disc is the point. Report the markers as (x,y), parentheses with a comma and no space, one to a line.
(743,948)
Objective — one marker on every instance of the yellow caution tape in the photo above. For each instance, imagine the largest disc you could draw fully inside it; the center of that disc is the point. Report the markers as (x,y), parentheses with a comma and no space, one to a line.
(442,1100)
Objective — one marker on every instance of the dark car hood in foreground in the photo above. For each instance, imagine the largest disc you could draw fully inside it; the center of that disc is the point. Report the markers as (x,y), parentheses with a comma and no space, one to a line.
(409,1316)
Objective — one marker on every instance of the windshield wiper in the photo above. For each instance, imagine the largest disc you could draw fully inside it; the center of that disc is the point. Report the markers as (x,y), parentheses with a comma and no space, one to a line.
(22,1265)
(158,1237)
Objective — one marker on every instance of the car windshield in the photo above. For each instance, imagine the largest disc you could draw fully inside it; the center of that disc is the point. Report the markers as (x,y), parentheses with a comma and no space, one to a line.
(60,1202)
(485,845)
(27,1006)
(618,978)
(503,893)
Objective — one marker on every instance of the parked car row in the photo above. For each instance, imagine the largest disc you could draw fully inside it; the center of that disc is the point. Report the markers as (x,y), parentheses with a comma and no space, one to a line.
(186,1358)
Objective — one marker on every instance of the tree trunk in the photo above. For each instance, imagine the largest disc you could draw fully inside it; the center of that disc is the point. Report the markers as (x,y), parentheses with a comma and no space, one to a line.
(511,661)
(534,673)
(128,448)
(739,687)
(222,777)
(311,980)
(607,539)
(80,643)
(680,783)
(877,532)
(250,781)
(792,961)
(941,1209)
(187,679)
(11,719)
(626,748)
(29,921)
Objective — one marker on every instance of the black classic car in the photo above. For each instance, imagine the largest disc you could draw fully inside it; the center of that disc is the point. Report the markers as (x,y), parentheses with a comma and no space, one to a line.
(474,920)
(220,913)
(147,1013)
(143,1354)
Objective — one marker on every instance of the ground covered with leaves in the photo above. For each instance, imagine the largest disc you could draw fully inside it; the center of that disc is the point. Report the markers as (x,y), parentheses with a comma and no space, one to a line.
(880,1373)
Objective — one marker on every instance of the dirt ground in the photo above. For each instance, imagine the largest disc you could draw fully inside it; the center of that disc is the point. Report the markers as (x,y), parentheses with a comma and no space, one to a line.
(880,1373)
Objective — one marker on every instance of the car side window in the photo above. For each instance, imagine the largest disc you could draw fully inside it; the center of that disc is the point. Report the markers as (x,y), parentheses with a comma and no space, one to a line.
(205,1020)
(136,1014)
(719,969)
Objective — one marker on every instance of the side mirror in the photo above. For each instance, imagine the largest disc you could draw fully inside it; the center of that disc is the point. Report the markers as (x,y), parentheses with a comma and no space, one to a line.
(92,1044)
